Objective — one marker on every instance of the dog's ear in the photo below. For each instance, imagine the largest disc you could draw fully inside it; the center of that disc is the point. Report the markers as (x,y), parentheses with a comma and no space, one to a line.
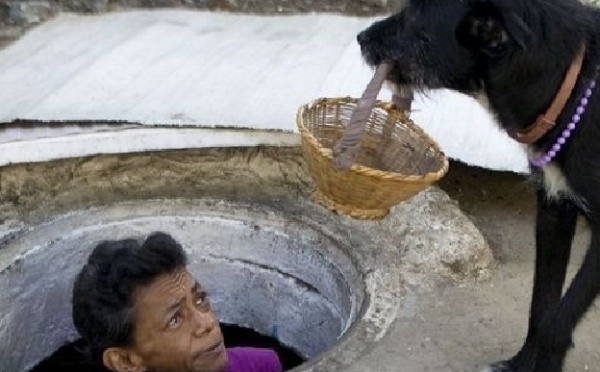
(490,28)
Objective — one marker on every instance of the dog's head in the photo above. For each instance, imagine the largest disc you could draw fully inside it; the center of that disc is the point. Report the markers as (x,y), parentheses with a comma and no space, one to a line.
(446,43)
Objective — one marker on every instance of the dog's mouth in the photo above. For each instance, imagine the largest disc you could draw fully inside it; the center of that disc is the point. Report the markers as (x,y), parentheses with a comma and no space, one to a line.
(397,83)
(372,59)
(400,90)
(396,77)
(402,94)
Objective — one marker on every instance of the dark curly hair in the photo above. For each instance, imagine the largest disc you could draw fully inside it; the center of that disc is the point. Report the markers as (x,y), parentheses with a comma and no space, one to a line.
(103,291)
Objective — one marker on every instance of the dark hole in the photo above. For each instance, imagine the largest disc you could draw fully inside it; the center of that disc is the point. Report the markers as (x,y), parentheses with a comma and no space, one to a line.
(71,358)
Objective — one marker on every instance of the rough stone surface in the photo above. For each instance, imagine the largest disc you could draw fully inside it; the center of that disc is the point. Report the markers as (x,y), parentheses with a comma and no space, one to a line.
(24,13)
(17,16)
(437,240)
(298,277)
(424,241)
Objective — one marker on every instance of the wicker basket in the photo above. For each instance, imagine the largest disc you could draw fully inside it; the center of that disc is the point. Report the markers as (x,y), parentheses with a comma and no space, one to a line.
(396,159)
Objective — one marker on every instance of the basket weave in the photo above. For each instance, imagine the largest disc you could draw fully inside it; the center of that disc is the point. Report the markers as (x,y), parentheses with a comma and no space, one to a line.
(396,159)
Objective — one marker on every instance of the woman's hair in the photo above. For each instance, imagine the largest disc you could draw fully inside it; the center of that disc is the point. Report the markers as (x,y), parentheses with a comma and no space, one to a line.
(103,292)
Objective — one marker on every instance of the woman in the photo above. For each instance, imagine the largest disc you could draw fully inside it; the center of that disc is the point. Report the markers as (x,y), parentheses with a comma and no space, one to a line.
(139,309)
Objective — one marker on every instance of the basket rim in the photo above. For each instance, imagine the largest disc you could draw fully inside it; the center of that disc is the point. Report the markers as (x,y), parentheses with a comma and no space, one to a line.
(391,109)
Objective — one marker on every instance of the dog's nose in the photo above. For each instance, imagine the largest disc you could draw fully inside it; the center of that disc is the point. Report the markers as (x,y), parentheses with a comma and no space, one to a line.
(362,38)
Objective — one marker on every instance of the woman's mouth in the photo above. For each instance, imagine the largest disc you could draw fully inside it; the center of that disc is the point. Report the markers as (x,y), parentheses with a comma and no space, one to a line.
(214,349)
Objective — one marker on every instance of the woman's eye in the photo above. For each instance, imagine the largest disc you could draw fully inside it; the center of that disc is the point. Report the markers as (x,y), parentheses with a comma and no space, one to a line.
(175,320)
(202,299)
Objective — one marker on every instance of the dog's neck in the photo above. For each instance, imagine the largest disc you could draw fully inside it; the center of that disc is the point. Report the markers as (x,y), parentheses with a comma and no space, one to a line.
(547,121)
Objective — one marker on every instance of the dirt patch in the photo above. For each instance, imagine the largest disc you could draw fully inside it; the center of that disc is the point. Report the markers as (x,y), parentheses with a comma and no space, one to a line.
(501,204)
(59,186)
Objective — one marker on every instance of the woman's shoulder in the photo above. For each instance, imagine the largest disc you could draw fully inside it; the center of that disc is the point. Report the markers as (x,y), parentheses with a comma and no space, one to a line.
(252,359)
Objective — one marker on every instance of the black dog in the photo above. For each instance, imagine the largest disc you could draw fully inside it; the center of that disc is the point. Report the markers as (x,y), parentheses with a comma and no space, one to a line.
(536,62)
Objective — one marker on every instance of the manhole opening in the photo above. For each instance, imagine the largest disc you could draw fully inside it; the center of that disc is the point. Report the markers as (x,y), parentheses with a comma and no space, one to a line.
(301,282)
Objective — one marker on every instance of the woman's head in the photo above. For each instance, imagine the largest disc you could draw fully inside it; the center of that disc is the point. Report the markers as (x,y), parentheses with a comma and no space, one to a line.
(139,309)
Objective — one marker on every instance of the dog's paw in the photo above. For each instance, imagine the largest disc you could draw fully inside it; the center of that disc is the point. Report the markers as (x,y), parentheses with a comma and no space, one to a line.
(498,367)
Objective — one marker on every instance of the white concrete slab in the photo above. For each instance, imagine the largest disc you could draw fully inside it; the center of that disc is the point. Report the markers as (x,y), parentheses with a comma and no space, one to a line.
(136,140)
(188,68)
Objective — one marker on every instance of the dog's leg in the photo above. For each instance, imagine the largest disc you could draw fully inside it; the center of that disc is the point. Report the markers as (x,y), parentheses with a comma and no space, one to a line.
(556,329)
(555,227)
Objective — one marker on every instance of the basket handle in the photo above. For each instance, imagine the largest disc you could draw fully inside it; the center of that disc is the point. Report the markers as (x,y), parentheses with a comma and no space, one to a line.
(401,101)
(346,149)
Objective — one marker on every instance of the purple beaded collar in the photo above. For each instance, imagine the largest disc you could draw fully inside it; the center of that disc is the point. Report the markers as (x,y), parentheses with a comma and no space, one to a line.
(542,160)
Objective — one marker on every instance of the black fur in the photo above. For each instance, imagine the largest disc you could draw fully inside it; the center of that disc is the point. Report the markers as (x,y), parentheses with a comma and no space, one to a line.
(516,52)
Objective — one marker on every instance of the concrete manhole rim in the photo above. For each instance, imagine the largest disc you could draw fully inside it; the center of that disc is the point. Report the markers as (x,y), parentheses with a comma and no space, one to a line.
(382,289)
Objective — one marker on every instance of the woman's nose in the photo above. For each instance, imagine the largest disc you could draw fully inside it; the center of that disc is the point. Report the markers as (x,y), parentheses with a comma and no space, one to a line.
(204,322)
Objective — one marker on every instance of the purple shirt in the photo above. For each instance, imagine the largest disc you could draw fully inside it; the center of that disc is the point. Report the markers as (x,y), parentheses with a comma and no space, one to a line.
(251,359)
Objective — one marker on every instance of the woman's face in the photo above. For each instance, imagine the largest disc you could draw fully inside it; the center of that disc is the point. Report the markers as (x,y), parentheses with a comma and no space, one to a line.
(175,327)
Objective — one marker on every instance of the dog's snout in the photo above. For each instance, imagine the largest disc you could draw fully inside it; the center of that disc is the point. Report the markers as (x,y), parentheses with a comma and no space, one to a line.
(367,47)
(362,37)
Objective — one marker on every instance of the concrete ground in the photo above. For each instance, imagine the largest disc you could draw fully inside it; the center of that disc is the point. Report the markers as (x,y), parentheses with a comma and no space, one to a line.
(462,328)
(455,328)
